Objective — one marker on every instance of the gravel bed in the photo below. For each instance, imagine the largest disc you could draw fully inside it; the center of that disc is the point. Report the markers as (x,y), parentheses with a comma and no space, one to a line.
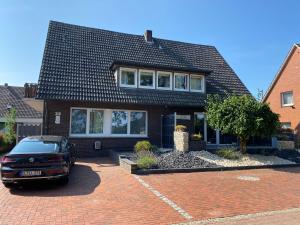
(205,159)
(182,160)
(245,160)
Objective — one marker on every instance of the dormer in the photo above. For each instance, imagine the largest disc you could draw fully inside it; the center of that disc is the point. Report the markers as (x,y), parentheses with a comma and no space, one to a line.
(161,78)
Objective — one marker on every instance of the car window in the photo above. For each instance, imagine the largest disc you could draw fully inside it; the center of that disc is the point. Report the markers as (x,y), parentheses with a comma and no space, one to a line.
(36,147)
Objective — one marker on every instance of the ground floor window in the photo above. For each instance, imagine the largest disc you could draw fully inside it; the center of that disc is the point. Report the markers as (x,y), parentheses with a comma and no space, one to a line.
(119,122)
(199,126)
(107,122)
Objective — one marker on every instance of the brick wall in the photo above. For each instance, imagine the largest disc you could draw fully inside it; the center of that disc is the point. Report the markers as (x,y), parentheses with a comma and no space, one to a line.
(289,80)
(85,146)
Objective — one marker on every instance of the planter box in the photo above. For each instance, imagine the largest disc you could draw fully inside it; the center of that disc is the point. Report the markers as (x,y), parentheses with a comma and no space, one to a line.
(197,145)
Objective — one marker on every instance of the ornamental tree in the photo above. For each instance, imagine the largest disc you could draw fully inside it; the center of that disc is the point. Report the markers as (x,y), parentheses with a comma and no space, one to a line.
(241,116)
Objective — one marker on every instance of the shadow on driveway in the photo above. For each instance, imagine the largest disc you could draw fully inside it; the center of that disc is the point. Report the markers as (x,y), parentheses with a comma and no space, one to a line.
(82,181)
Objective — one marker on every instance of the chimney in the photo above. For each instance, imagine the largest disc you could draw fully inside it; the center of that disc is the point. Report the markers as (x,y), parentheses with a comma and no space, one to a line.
(6,85)
(148,36)
(30,90)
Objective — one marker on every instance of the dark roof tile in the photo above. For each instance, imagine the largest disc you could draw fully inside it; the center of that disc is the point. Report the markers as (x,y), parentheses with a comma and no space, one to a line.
(77,60)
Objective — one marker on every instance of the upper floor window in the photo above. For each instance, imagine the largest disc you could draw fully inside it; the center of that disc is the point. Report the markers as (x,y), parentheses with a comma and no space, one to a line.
(181,81)
(287,98)
(197,83)
(146,79)
(128,77)
(164,80)
(286,125)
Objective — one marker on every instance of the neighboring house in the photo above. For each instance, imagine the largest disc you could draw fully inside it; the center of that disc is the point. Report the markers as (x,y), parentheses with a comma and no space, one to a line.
(119,88)
(29,110)
(283,94)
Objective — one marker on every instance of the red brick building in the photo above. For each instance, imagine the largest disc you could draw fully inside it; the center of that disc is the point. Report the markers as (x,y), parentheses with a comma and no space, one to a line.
(283,94)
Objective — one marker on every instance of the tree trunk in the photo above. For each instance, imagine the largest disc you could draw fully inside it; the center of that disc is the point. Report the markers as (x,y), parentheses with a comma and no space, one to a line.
(243,145)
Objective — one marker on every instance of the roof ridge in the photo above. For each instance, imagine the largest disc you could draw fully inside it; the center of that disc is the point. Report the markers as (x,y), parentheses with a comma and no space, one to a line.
(129,34)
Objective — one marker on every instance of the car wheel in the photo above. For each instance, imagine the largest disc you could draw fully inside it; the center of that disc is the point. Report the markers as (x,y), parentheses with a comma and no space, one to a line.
(64,180)
(7,185)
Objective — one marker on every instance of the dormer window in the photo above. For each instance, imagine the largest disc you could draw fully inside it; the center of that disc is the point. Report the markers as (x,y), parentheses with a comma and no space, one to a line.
(197,83)
(146,79)
(128,77)
(181,82)
(164,80)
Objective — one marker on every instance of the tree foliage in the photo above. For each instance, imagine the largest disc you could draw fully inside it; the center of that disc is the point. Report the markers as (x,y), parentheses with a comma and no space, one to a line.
(10,125)
(241,116)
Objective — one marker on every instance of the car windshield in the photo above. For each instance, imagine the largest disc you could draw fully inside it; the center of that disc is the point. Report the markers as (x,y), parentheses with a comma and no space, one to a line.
(36,147)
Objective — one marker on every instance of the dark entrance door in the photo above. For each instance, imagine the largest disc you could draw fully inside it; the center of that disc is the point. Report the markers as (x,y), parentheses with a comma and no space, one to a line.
(167,130)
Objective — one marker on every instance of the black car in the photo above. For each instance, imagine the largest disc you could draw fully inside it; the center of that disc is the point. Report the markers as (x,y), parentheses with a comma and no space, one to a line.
(38,157)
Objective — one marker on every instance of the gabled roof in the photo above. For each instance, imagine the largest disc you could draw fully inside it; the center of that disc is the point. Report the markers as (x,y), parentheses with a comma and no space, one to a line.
(77,66)
(14,96)
(280,71)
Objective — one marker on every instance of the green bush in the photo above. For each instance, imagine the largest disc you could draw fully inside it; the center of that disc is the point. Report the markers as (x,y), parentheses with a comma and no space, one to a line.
(228,153)
(146,162)
(180,128)
(143,146)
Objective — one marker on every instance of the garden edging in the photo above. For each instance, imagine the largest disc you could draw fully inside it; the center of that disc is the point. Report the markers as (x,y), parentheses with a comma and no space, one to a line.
(190,170)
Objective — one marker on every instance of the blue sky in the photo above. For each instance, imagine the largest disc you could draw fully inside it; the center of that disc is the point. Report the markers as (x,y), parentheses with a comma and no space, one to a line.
(253,36)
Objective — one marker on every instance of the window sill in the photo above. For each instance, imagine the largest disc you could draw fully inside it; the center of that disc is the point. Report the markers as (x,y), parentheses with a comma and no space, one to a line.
(288,105)
(108,136)
(199,91)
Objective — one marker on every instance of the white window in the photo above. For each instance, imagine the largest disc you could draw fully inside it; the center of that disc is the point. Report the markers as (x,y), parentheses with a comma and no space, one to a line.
(286,125)
(128,77)
(78,121)
(181,82)
(96,121)
(287,98)
(146,79)
(197,83)
(119,122)
(164,80)
(86,121)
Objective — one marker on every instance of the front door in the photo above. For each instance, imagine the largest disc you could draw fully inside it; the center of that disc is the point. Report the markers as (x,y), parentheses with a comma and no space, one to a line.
(168,124)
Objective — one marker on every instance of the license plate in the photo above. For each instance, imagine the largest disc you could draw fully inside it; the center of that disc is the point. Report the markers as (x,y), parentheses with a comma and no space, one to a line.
(31,173)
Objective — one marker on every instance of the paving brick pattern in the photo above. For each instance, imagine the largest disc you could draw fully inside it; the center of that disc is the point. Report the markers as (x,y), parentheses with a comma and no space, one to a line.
(98,193)
(221,194)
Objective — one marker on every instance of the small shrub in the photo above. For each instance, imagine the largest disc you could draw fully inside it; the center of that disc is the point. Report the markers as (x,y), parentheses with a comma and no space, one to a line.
(146,162)
(143,146)
(228,153)
(196,137)
(180,128)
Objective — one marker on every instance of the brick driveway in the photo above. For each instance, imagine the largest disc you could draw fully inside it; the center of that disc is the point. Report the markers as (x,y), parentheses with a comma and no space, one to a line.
(101,193)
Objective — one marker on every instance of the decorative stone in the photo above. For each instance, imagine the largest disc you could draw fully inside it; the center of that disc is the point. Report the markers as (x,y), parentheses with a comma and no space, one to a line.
(281,145)
(181,141)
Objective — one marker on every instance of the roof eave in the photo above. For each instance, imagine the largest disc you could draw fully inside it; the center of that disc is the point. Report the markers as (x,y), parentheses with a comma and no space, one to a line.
(119,63)
(274,81)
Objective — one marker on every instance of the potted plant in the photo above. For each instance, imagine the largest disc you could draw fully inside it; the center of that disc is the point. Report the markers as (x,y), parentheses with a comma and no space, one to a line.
(196,142)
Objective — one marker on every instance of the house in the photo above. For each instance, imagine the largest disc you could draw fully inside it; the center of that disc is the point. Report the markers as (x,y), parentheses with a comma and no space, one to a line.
(108,90)
(29,110)
(283,94)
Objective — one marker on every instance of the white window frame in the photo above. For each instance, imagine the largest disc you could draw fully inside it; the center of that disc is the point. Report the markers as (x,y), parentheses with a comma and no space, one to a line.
(107,124)
(282,102)
(135,77)
(87,128)
(202,83)
(285,123)
(153,79)
(171,80)
(187,82)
